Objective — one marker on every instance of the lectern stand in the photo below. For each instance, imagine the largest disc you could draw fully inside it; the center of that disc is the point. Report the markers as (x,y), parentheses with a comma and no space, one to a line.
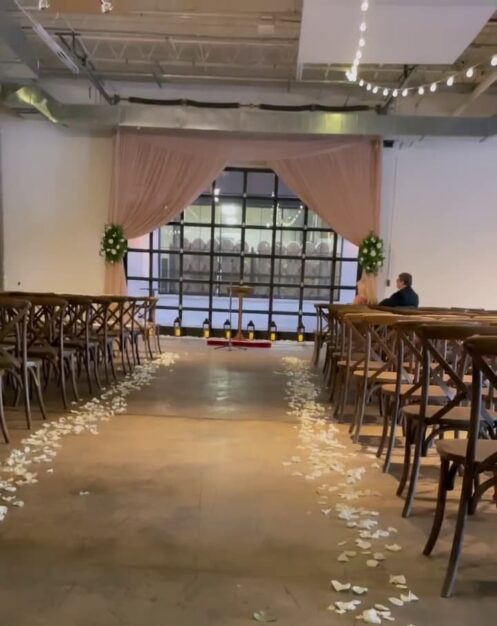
(237,291)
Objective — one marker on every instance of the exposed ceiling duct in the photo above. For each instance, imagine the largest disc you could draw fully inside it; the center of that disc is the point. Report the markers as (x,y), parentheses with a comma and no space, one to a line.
(246,119)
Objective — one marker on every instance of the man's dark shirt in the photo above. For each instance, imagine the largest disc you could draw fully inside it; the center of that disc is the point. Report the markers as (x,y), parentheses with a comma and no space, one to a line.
(404,297)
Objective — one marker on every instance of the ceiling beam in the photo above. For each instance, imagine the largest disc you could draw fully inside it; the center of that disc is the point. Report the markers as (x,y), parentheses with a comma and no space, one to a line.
(478,91)
(14,37)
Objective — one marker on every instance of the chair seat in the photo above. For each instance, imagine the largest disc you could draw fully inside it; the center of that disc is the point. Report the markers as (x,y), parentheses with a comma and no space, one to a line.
(455,450)
(382,377)
(373,365)
(48,352)
(434,391)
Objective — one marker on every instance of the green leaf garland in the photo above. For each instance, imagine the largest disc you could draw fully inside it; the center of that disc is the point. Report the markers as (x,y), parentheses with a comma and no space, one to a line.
(113,245)
(372,254)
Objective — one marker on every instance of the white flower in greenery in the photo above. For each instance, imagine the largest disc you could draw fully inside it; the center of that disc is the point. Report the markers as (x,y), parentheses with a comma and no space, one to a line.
(113,251)
(379,245)
(111,241)
(373,253)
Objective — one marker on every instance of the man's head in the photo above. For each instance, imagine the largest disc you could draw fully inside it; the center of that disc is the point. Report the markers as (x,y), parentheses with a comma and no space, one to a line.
(404,280)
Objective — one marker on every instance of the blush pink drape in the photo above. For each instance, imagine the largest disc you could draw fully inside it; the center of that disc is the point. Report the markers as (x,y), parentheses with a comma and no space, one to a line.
(157,175)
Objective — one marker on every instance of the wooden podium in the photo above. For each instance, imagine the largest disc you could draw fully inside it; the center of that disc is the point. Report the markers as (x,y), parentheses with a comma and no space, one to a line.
(240,292)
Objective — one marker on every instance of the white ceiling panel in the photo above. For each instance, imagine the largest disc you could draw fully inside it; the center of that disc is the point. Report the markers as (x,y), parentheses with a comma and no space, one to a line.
(399,31)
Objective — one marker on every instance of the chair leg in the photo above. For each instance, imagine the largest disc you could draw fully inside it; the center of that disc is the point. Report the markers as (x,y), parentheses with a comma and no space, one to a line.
(411,491)
(94,358)
(127,342)
(3,423)
(361,408)
(455,552)
(157,340)
(110,354)
(86,362)
(440,510)
(62,378)
(72,371)
(407,459)
(35,376)
(385,429)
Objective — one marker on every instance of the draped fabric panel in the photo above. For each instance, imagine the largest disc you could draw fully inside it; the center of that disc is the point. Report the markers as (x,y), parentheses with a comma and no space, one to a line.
(157,175)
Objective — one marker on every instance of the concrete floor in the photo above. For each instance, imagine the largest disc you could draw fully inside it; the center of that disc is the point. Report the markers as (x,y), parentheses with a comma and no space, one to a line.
(192,519)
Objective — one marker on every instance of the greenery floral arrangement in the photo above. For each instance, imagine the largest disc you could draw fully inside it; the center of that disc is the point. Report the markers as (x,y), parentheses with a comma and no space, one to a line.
(372,254)
(113,245)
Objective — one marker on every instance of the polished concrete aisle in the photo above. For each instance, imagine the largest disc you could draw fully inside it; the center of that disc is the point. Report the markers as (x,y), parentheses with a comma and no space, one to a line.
(190,515)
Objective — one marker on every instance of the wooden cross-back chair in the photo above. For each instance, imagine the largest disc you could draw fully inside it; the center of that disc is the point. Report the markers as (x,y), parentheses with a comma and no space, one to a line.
(353,356)
(14,363)
(45,341)
(380,362)
(477,455)
(77,336)
(407,386)
(99,332)
(322,328)
(120,326)
(444,365)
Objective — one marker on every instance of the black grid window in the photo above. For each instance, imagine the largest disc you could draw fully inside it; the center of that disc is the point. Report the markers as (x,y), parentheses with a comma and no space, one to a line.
(247,228)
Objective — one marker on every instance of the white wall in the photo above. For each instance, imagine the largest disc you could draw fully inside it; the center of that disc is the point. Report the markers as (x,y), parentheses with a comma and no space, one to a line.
(439,218)
(55,192)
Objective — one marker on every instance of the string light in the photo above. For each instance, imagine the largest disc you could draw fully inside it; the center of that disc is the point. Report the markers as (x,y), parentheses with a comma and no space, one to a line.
(351,73)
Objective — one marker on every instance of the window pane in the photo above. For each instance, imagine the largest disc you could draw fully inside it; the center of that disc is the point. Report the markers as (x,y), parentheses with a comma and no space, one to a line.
(194,289)
(196,266)
(256,270)
(258,240)
(227,269)
(138,288)
(201,211)
(197,238)
(314,221)
(260,183)
(170,237)
(195,319)
(166,317)
(317,272)
(288,271)
(289,242)
(168,266)
(166,287)
(138,264)
(227,239)
(282,293)
(259,213)
(229,213)
(290,214)
(286,323)
(348,277)
(315,294)
(319,244)
(229,183)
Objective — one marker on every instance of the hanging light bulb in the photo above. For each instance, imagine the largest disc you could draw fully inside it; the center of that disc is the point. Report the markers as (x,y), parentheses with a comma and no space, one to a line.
(450,81)
(365,5)
(395,93)
(493,60)
(470,72)
(106,6)
(385,92)
(362,43)
(405,92)
(363,27)
(375,89)
(433,87)
(421,91)
(358,55)
(43,4)
(369,86)
(361,83)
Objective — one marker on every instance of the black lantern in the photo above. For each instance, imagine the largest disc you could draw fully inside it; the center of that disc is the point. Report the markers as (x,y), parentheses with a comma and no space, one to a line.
(227,329)
(273,330)
(251,330)
(301,332)
(206,331)
(177,327)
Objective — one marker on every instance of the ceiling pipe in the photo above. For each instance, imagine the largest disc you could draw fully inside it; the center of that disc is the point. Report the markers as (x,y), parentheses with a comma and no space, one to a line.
(479,90)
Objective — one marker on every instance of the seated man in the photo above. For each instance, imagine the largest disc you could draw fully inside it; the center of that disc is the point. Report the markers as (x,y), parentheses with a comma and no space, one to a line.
(406,296)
